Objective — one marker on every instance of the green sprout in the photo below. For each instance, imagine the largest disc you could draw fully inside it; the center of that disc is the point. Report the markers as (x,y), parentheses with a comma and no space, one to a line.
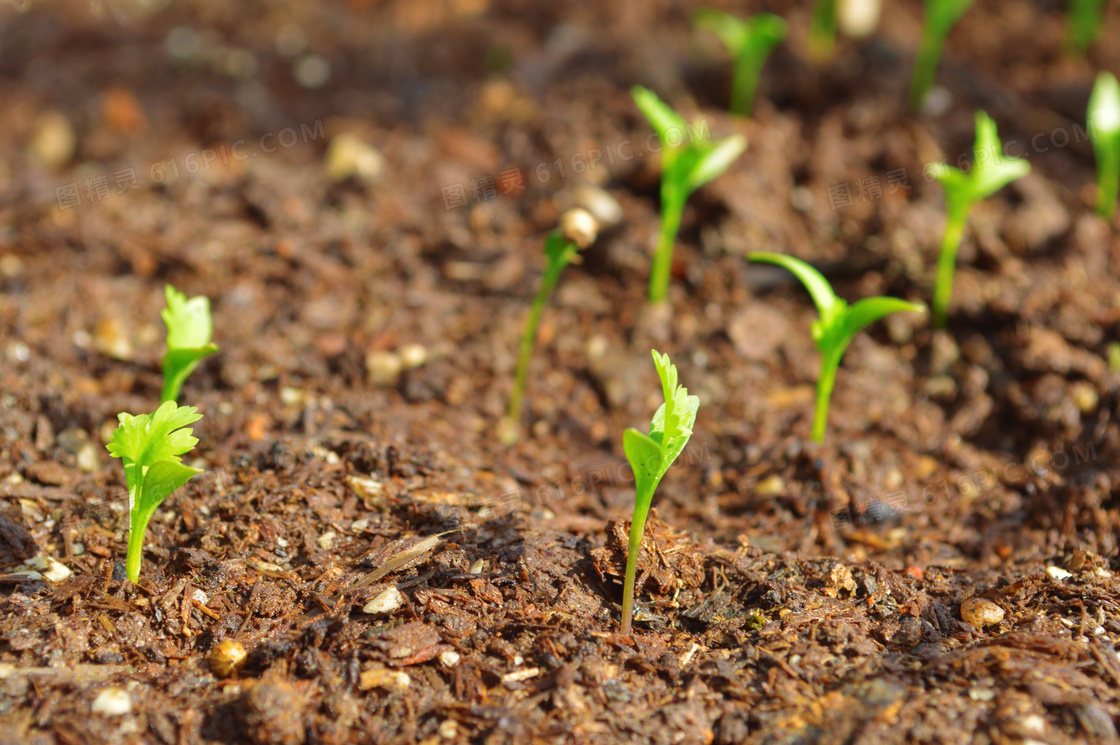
(941,16)
(1104,130)
(189,329)
(822,29)
(650,457)
(991,170)
(685,167)
(1086,19)
(561,247)
(837,326)
(750,42)
(149,446)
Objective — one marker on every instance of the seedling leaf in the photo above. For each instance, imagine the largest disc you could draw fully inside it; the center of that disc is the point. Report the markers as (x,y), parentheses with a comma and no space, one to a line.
(1104,131)
(189,330)
(750,42)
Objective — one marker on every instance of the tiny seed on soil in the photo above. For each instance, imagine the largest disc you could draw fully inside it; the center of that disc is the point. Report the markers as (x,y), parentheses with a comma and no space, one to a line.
(578,226)
(227,658)
(980,612)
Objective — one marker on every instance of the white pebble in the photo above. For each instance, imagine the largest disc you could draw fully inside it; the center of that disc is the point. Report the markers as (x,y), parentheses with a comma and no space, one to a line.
(1057,573)
(386,602)
(112,702)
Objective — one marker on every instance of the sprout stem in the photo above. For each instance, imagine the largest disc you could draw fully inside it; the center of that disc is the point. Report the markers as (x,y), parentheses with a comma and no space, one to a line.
(744,83)
(637,529)
(822,29)
(135,551)
(672,208)
(1108,183)
(947,264)
(925,65)
(830,363)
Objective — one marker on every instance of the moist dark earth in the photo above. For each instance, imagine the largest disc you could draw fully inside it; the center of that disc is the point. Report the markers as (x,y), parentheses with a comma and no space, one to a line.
(941,569)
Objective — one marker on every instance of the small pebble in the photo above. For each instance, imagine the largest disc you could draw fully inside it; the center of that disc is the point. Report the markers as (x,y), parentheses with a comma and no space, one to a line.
(448,729)
(112,702)
(384,368)
(1057,573)
(413,355)
(227,658)
(980,612)
(348,155)
(312,71)
(54,140)
(326,540)
(449,658)
(391,680)
(386,602)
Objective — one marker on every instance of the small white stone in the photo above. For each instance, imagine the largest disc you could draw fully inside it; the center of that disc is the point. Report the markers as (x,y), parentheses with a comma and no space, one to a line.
(359,525)
(384,368)
(386,601)
(1057,573)
(449,658)
(326,540)
(448,729)
(7,670)
(413,355)
(112,702)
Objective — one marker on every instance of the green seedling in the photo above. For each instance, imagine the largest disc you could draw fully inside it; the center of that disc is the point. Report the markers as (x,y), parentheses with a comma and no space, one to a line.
(822,29)
(1104,130)
(149,446)
(837,326)
(1086,20)
(560,252)
(650,457)
(991,171)
(750,42)
(941,16)
(685,167)
(189,329)
(1114,357)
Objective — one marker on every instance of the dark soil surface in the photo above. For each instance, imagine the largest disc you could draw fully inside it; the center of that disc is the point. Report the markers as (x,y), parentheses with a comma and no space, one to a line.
(790,593)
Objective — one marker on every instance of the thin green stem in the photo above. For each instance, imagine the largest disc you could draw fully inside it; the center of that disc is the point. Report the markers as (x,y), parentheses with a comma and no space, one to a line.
(822,29)
(637,529)
(744,84)
(135,549)
(925,66)
(830,363)
(947,264)
(525,352)
(1108,183)
(672,208)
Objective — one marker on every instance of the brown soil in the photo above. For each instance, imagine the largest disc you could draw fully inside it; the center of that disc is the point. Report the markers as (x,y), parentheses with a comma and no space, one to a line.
(790,592)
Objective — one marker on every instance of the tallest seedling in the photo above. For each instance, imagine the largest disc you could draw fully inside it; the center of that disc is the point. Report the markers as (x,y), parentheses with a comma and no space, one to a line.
(1104,130)
(685,167)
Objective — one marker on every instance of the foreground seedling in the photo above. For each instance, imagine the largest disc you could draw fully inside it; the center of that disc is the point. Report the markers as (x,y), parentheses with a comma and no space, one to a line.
(189,329)
(941,16)
(650,457)
(750,42)
(837,326)
(578,229)
(685,167)
(150,446)
(991,171)
(1104,130)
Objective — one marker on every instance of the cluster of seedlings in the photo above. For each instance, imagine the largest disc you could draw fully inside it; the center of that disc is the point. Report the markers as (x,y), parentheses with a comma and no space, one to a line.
(151,446)
(686,166)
